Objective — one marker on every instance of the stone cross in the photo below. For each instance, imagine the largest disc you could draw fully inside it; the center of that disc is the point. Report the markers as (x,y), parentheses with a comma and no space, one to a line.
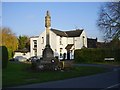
(48,52)
(47,25)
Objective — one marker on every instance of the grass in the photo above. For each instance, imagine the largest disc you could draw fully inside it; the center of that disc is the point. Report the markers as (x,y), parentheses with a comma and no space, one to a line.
(19,74)
(110,63)
(0,77)
(114,63)
(104,63)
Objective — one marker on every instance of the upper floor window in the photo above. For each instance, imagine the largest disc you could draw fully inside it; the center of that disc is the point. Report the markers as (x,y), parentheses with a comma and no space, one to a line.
(42,40)
(60,40)
(35,43)
(83,40)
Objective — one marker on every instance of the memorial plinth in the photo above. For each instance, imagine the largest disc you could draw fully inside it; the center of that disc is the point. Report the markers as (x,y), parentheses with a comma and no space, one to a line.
(48,53)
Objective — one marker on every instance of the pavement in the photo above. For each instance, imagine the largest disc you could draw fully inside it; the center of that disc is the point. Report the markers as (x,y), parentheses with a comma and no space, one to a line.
(103,81)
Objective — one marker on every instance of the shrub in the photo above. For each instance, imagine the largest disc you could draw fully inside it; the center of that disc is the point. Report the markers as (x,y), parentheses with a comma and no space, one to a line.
(96,55)
(4,56)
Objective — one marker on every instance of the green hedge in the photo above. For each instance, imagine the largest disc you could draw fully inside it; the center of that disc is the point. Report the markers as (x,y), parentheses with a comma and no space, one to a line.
(96,55)
(4,56)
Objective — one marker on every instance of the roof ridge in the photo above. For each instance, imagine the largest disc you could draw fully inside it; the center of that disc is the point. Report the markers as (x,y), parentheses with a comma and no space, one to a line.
(66,31)
(66,34)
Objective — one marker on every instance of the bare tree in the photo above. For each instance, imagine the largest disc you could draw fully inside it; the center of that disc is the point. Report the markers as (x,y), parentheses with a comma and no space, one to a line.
(109,20)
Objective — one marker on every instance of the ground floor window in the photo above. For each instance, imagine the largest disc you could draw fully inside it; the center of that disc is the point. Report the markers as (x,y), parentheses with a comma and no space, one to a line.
(60,52)
(35,52)
(60,55)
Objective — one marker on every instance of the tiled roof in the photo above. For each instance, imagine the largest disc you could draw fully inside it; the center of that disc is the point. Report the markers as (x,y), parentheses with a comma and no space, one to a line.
(74,33)
(71,33)
(22,50)
(34,37)
(59,33)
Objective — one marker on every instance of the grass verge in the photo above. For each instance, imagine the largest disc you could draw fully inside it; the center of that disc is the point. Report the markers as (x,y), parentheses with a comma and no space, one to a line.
(18,74)
(112,63)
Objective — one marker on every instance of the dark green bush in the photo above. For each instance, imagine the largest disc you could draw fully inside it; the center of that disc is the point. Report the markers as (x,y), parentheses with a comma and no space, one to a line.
(96,55)
(4,56)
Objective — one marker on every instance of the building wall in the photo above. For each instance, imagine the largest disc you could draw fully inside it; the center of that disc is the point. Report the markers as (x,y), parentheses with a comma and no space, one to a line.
(85,39)
(61,45)
(79,43)
(53,40)
(41,43)
(32,51)
(70,40)
(65,42)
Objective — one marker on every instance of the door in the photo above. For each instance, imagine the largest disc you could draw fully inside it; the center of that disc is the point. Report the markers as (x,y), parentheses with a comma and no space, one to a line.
(68,55)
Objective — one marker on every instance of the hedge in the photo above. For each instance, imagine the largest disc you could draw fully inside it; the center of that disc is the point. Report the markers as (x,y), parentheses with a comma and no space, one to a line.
(4,56)
(96,55)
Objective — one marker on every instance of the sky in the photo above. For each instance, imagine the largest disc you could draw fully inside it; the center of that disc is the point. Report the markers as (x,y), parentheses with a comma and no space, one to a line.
(27,18)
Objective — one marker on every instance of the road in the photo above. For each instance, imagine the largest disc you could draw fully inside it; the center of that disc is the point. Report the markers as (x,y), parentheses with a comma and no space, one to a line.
(103,81)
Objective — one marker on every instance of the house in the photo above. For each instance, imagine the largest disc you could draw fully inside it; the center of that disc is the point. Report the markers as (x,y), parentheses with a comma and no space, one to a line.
(63,43)
(23,52)
(91,43)
(60,41)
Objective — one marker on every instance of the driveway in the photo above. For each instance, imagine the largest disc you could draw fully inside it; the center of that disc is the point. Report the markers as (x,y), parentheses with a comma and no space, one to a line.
(101,81)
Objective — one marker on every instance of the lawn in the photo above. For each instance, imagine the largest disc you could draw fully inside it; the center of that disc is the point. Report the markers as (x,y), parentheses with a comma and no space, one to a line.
(19,74)
(104,63)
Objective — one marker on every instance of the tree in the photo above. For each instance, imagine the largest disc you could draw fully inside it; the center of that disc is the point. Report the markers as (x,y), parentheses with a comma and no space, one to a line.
(9,40)
(24,42)
(115,43)
(109,20)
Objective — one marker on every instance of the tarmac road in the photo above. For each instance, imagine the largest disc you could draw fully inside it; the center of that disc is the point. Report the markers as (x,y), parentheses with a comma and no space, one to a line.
(103,81)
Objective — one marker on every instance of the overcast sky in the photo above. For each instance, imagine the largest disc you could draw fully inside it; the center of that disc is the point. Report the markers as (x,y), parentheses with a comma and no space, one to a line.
(27,18)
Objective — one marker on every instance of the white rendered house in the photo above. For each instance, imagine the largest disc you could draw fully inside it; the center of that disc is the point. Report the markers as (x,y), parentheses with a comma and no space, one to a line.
(60,41)
(63,43)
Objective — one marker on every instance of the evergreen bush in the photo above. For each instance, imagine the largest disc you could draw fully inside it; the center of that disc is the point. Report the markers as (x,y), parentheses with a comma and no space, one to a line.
(96,55)
(4,56)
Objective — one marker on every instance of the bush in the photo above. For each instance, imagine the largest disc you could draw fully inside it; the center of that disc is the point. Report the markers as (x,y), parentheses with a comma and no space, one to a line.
(96,55)
(4,56)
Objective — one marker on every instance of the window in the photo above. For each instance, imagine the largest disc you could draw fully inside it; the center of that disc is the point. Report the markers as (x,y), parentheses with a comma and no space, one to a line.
(60,40)
(60,49)
(35,51)
(83,41)
(35,43)
(42,40)
(60,52)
